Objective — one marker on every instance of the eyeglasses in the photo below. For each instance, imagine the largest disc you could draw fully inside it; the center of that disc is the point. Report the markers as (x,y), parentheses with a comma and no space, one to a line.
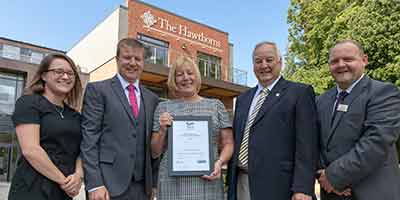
(61,72)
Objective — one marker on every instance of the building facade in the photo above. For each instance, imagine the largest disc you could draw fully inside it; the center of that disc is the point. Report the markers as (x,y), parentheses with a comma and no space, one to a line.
(165,36)
(18,63)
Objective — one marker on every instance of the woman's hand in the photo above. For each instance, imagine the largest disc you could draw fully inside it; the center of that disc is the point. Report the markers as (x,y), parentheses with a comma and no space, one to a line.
(216,174)
(165,121)
(72,185)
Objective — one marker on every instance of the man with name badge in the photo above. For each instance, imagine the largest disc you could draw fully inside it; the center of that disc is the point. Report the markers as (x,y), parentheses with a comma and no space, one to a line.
(360,124)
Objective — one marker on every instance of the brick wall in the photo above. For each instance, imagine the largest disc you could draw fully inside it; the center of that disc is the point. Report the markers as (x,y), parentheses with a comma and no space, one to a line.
(164,31)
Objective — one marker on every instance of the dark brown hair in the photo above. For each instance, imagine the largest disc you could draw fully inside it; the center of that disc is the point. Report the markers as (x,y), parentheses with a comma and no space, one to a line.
(128,42)
(37,84)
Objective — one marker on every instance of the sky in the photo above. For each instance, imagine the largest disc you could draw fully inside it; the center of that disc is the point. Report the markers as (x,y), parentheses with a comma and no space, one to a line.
(61,24)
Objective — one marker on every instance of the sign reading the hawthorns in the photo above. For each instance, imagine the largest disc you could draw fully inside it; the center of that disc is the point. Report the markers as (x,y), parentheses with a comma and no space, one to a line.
(158,23)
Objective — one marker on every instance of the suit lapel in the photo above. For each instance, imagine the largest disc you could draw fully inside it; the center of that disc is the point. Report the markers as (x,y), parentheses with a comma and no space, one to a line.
(273,97)
(244,112)
(357,90)
(146,105)
(326,113)
(119,91)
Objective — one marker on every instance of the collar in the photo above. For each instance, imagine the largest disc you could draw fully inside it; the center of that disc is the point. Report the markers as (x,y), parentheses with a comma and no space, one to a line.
(125,83)
(349,89)
(270,87)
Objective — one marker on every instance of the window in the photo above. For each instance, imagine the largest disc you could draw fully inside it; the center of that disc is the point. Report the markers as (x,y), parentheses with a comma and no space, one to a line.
(10,89)
(156,51)
(11,52)
(1,50)
(36,57)
(26,55)
(209,65)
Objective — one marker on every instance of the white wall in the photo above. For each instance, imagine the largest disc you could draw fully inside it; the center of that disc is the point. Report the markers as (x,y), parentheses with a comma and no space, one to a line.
(100,44)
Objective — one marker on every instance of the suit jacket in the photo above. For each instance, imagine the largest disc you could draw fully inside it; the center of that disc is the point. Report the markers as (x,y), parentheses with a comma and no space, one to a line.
(107,123)
(359,150)
(283,143)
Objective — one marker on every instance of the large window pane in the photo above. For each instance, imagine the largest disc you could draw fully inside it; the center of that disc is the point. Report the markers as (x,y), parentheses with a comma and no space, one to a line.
(26,55)
(11,52)
(156,51)
(36,57)
(209,65)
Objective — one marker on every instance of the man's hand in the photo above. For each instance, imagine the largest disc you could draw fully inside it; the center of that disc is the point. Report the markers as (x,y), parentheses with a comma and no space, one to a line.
(99,194)
(323,181)
(301,196)
(326,185)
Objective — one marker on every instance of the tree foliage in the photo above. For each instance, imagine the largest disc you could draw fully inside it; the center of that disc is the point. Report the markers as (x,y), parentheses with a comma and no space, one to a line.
(315,25)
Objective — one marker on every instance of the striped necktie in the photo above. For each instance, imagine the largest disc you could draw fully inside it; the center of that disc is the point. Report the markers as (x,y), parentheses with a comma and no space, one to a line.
(244,146)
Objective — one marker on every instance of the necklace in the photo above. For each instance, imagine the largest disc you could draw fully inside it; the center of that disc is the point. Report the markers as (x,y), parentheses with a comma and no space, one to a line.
(60,112)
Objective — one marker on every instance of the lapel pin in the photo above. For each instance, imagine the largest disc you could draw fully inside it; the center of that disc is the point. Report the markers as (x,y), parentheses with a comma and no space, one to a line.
(277,94)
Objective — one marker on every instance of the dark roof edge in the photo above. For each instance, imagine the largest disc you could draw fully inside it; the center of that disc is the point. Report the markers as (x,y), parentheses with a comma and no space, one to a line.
(30,44)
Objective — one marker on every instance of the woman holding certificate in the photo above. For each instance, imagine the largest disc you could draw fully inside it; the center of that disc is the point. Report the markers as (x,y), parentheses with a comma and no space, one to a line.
(184,83)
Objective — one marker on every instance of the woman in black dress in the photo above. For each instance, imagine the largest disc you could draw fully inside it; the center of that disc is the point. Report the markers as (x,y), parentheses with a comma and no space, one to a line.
(48,132)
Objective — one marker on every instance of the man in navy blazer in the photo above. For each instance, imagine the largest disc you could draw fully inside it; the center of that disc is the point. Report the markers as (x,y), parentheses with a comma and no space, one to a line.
(360,124)
(274,157)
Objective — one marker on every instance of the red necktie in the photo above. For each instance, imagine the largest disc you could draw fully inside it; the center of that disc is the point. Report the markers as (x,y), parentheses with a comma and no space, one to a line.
(133,100)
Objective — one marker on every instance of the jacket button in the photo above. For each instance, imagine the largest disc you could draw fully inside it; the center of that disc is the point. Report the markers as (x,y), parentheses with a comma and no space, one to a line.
(131,155)
(133,135)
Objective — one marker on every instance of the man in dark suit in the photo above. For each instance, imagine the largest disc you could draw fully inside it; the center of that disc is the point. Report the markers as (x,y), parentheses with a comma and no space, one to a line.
(276,135)
(360,124)
(116,126)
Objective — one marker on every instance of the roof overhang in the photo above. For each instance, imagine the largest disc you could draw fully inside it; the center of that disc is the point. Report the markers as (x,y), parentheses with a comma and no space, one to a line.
(157,75)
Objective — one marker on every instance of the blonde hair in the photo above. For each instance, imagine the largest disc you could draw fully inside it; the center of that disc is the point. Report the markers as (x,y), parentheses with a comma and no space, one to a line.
(180,62)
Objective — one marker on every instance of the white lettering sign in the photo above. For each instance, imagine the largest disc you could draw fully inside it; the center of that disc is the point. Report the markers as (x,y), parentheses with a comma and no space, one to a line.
(150,20)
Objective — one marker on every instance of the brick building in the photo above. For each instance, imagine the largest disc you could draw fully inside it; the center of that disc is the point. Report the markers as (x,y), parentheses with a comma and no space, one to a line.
(165,36)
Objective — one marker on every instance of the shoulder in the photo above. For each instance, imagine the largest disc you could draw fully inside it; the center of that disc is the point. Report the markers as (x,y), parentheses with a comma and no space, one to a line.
(72,109)
(327,93)
(97,86)
(213,101)
(149,93)
(30,99)
(299,86)
(381,89)
(100,83)
(247,93)
(163,105)
(300,90)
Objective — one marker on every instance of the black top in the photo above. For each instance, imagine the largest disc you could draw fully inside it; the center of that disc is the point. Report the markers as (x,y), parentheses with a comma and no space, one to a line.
(60,134)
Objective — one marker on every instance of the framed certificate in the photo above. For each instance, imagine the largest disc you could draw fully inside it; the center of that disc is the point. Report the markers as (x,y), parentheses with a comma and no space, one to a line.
(189,146)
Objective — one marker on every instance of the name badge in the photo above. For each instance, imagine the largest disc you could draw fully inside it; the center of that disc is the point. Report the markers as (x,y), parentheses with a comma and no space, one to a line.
(342,108)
